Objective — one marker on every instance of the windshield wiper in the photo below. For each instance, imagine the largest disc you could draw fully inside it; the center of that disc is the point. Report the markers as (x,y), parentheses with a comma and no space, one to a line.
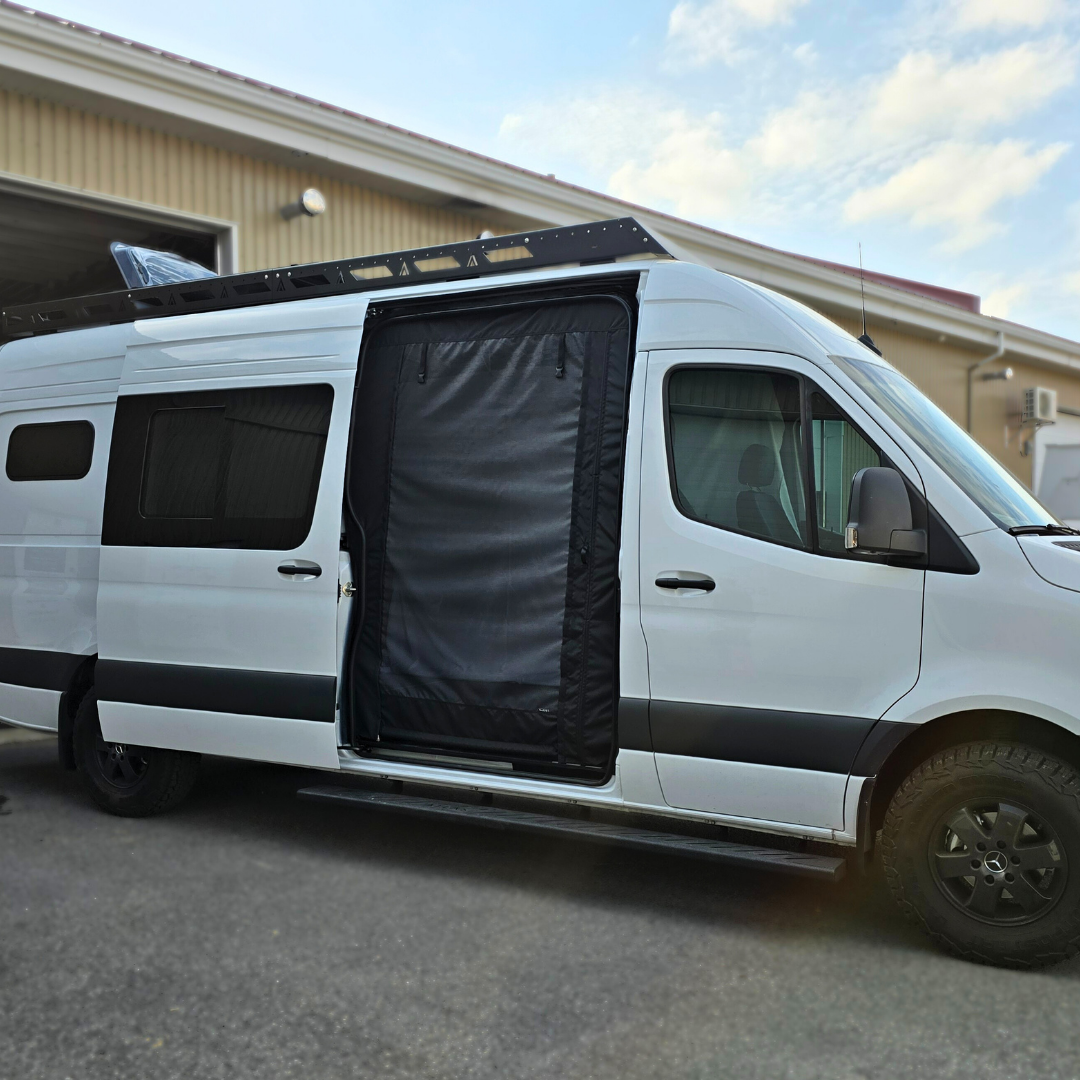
(1043,530)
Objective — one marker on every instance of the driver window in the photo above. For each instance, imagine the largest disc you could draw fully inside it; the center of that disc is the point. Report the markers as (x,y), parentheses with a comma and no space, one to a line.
(840,451)
(737,451)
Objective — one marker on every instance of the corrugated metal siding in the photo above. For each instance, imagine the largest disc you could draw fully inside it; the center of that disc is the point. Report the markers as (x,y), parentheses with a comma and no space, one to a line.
(44,141)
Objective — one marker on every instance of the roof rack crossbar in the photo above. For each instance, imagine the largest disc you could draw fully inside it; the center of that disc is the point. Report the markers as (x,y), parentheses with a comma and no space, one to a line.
(585,244)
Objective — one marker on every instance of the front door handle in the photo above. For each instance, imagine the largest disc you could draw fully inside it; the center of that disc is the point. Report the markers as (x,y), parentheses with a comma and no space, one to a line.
(298,570)
(670,581)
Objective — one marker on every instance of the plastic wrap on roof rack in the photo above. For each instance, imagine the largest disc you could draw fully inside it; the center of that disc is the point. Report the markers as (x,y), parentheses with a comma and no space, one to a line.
(142,266)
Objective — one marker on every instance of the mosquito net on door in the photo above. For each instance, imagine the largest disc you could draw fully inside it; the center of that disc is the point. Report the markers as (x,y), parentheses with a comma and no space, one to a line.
(484,483)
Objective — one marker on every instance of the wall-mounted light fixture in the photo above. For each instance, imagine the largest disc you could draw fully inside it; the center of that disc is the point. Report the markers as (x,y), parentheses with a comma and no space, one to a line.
(311,204)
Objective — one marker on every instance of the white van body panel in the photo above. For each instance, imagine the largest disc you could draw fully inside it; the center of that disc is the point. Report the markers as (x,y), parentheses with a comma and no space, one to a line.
(230,608)
(751,792)
(802,608)
(785,629)
(50,547)
(276,739)
(1000,639)
(633,652)
(1054,561)
(49,544)
(691,307)
(30,707)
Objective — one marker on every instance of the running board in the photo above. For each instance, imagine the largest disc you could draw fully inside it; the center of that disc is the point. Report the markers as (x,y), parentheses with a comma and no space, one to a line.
(824,867)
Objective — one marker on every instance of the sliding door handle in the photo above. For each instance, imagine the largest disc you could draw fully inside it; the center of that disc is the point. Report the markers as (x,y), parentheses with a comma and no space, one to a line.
(299,571)
(671,581)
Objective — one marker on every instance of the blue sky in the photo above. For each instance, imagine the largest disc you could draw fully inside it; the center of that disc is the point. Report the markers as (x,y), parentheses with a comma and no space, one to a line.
(939,133)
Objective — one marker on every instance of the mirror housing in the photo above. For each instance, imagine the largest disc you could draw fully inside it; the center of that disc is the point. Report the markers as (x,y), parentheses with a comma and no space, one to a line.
(880,516)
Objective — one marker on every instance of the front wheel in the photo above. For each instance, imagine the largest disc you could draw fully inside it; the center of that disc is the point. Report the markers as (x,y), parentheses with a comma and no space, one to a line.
(981,847)
(131,781)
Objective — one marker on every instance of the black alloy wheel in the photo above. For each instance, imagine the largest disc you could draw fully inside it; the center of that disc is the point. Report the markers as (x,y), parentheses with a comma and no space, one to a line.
(132,781)
(981,850)
(999,862)
(121,765)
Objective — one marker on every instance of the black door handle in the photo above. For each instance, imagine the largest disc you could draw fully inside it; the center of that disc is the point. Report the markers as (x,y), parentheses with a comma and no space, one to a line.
(703,584)
(293,570)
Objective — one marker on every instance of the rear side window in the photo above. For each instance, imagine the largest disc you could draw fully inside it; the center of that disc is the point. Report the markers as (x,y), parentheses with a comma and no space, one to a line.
(233,468)
(737,451)
(57,451)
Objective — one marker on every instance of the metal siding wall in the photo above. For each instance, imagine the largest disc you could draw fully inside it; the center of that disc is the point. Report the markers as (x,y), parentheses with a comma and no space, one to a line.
(43,141)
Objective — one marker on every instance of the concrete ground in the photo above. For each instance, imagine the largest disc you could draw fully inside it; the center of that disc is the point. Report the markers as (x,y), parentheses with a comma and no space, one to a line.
(249,934)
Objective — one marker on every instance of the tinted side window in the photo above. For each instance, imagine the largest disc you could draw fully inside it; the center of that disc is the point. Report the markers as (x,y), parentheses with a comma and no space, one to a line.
(737,451)
(840,451)
(57,451)
(233,468)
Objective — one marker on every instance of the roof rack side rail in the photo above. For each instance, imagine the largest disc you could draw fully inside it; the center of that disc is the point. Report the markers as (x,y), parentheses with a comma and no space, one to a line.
(585,244)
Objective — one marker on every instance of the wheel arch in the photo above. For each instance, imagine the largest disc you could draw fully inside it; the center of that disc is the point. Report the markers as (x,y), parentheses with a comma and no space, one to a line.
(954,729)
(82,680)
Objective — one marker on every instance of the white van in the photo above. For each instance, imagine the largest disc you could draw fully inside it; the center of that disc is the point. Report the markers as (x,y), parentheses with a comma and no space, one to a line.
(555,517)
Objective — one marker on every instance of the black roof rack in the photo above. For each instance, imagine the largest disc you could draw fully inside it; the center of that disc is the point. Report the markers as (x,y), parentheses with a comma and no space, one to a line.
(592,242)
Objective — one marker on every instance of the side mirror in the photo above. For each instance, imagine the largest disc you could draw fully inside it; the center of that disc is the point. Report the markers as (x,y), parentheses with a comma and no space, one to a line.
(880,516)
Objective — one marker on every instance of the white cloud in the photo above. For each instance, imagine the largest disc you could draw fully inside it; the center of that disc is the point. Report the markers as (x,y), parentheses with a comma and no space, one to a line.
(602,129)
(931,94)
(1072,282)
(651,150)
(955,187)
(910,145)
(815,130)
(690,169)
(805,53)
(1001,302)
(1006,14)
(925,97)
(703,32)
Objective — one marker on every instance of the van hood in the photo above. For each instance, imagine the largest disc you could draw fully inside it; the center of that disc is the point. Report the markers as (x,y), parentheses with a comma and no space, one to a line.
(1054,558)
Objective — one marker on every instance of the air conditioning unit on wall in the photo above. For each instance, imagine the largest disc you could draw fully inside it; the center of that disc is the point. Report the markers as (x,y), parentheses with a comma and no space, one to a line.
(1040,406)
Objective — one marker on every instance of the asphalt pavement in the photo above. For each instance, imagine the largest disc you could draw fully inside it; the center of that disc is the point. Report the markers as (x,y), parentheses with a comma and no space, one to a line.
(250,934)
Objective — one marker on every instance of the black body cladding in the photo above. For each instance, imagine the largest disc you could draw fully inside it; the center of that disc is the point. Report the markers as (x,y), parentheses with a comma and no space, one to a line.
(228,690)
(483,493)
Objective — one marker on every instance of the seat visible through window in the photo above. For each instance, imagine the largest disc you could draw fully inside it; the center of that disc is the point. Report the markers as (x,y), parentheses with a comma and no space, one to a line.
(737,451)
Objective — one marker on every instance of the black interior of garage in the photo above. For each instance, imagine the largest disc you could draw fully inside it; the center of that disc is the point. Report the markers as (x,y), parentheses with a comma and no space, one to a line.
(50,249)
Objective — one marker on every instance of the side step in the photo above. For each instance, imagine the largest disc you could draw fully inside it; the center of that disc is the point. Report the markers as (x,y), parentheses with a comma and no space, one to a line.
(823,867)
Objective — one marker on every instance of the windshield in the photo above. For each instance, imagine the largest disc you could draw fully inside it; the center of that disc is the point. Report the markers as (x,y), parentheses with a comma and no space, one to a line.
(986,482)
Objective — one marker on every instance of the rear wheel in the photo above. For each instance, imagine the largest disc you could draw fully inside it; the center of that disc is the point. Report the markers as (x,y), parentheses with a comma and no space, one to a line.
(132,781)
(981,846)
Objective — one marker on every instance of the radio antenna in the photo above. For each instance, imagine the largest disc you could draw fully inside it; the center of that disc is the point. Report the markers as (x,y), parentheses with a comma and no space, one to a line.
(865,338)
(862,290)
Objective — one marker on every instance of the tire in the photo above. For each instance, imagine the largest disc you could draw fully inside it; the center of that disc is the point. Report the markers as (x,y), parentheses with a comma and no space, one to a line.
(130,781)
(981,849)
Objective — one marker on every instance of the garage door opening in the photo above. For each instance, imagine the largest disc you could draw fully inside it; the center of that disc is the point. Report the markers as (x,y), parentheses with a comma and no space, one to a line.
(50,250)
